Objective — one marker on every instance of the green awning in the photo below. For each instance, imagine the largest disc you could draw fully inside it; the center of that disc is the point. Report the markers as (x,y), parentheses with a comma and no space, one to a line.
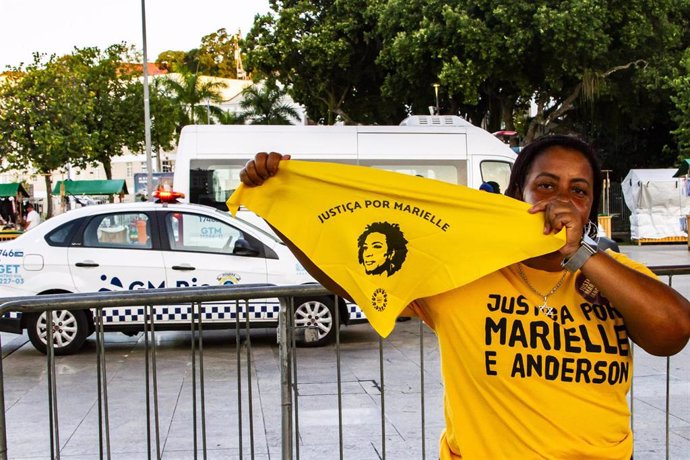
(92,187)
(684,168)
(13,189)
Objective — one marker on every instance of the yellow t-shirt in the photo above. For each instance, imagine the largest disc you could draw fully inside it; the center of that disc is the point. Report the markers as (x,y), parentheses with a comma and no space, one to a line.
(522,385)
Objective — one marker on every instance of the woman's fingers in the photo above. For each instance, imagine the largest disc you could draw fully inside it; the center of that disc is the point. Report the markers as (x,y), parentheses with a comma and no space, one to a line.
(245,175)
(560,214)
(273,162)
(261,162)
(263,166)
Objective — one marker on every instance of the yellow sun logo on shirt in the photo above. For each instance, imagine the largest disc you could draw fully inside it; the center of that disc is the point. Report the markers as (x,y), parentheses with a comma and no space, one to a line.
(379,299)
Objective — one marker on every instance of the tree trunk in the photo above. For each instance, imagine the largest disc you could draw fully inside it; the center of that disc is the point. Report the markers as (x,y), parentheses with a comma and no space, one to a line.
(108,167)
(531,131)
(507,106)
(495,114)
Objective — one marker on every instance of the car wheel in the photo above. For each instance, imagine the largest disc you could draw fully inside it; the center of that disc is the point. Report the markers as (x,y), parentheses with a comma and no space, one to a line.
(317,318)
(70,329)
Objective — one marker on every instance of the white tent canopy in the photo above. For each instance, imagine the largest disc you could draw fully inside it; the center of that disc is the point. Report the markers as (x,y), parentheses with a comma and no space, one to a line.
(658,203)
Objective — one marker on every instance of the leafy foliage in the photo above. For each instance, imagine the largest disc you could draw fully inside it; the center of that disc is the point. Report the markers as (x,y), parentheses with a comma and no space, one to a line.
(227,117)
(265,105)
(164,113)
(172,61)
(194,93)
(595,68)
(216,56)
(681,99)
(113,99)
(325,53)
(492,58)
(42,109)
(80,109)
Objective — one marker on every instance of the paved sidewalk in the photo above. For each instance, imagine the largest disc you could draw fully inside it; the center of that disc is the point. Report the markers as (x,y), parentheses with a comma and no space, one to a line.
(658,254)
(26,394)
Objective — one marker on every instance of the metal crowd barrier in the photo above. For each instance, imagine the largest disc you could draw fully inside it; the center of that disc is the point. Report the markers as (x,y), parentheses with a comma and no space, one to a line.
(194,296)
(669,271)
(289,382)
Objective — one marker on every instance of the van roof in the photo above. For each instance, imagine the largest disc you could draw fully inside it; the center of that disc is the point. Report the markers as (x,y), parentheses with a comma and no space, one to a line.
(435,120)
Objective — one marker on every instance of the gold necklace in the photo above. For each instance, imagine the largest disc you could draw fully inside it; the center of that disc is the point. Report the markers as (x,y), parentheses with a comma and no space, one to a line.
(544,308)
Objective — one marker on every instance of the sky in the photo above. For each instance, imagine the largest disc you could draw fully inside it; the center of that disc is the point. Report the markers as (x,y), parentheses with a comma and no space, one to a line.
(57,26)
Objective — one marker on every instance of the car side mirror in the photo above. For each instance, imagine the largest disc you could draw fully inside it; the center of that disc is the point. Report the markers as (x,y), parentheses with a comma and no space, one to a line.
(243,248)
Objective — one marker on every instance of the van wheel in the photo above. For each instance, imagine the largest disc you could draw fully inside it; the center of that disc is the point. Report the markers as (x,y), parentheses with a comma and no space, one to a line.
(317,317)
(70,329)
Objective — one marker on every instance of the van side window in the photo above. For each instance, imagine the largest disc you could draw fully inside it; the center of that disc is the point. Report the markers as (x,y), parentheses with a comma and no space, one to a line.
(444,172)
(496,171)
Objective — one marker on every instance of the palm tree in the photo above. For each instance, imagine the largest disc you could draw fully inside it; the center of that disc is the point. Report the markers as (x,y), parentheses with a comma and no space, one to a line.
(195,95)
(263,104)
(226,117)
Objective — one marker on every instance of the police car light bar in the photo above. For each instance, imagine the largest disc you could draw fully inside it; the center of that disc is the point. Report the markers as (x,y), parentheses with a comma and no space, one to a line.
(167,196)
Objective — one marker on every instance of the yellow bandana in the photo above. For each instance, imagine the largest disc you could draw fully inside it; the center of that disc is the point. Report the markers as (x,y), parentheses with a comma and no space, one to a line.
(388,238)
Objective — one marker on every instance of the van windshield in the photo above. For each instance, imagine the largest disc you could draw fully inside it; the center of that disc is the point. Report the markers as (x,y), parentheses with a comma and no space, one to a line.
(212,185)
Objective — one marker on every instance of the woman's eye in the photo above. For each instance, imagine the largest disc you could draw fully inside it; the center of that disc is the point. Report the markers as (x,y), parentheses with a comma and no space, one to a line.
(545,186)
(580,191)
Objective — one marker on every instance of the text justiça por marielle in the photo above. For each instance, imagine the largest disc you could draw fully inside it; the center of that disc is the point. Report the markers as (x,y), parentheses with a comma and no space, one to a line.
(352,206)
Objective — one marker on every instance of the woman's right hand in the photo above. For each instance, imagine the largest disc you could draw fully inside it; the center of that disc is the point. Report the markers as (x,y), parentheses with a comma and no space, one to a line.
(263,166)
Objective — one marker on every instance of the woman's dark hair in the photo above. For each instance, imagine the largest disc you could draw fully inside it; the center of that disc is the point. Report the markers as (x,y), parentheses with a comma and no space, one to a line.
(527,155)
(395,242)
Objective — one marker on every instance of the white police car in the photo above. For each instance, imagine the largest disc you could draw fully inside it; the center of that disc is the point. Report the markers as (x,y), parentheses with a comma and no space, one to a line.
(147,245)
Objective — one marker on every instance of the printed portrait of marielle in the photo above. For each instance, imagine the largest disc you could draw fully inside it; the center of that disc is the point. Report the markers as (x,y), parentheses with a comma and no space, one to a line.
(382,248)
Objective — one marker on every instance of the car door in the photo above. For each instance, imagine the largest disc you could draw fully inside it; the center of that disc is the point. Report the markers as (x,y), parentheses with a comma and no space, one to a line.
(203,250)
(116,252)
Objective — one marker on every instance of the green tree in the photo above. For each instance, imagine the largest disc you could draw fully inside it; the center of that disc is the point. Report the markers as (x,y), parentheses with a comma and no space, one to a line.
(325,53)
(172,61)
(111,84)
(227,117)
(42,109)
(493,58)
(80,109)
(680,85)
(217,54)
(265,104)
(628,121)
(195,94)
(164,112)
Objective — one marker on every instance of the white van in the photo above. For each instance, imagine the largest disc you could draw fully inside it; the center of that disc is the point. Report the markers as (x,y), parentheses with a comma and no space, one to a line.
(210,157)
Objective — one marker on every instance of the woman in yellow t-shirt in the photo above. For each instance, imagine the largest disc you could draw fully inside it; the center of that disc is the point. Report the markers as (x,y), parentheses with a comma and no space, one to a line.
(535,356)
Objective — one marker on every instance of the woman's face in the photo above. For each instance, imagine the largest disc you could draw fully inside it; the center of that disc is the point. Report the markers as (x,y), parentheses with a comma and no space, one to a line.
(374,251)
(561,173)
